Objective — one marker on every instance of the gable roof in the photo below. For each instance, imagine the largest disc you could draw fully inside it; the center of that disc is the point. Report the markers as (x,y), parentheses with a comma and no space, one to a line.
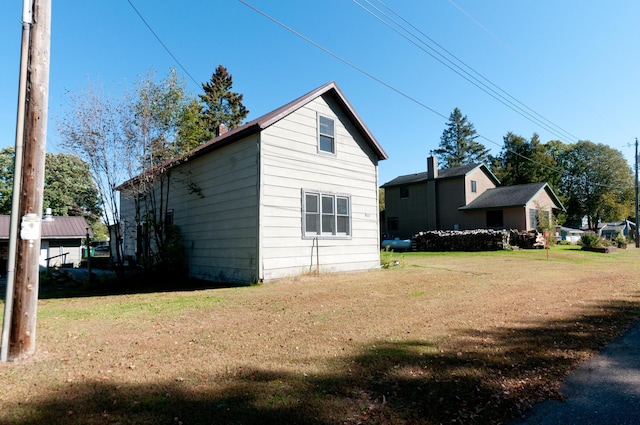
(447,173)
(263,122)
(511,197)
(57,228)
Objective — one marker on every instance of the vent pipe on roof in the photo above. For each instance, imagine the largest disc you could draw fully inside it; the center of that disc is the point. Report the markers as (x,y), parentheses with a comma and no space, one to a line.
(47,215)
(432,167)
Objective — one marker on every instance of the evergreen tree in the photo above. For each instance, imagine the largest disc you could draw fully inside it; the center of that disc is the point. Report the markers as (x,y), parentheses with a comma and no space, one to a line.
(221,106)
(458,145)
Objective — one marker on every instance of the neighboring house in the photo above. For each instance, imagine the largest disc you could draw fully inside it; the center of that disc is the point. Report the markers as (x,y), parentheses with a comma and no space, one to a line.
(611,230)
(569,234)
(292,192)
(430,200)
(462,198)
(516,207)
(60,240)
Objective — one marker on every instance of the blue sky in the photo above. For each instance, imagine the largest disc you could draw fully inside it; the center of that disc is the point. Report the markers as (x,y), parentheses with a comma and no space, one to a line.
(570,67)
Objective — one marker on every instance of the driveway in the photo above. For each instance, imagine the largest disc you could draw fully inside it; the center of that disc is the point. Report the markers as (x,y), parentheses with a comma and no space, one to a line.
(603,390)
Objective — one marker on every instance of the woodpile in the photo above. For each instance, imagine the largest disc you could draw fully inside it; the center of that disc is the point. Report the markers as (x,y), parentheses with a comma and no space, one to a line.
(460,240)
(527,240)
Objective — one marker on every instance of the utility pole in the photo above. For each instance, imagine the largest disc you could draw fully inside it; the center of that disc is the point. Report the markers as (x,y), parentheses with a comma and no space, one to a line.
(22,334)
(636,234)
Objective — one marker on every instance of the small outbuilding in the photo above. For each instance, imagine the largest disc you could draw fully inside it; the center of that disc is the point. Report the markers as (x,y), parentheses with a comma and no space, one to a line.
(60,241)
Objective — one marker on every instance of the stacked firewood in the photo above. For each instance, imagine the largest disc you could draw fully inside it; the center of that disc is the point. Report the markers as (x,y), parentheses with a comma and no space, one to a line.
(527,240)
(460,240)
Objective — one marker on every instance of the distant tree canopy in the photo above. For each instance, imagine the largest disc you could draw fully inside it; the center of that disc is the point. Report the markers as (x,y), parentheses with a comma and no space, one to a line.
(593,181)
(597,183)
(527,161)
(69,189)
(458,145)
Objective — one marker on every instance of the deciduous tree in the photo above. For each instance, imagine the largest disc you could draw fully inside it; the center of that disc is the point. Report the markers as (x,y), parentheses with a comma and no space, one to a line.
(527,161)
(597,183)
(69,189)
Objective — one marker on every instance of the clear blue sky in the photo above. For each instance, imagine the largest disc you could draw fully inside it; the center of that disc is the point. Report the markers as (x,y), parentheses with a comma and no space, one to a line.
(571,66)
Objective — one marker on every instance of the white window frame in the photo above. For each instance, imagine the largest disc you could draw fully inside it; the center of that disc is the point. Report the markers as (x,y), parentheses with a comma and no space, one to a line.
(325,216)
(327,135)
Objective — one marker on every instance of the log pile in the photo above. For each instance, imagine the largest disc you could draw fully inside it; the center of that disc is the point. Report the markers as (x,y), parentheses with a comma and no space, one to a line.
(460,240)
(527,240)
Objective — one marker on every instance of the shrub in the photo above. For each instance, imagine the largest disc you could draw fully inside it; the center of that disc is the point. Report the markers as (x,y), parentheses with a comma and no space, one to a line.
(591,240)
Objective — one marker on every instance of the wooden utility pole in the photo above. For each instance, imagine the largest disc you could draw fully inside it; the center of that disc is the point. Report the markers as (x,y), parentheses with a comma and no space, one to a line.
(22,335)
(637,233)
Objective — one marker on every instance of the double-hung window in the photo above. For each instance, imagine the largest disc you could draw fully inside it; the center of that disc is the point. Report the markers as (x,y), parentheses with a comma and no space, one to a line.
(326,215)
(326,134)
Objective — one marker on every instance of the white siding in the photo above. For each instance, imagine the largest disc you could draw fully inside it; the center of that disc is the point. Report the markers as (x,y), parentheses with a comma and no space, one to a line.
(290,163)
(218,223)
(244,224)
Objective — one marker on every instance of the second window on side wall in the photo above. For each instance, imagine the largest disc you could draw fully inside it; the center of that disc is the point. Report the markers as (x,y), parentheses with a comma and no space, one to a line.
(326,215)
(326,135)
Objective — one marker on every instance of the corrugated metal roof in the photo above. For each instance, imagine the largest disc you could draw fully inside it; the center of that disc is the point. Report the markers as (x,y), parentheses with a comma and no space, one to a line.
(267,120)
(57,228)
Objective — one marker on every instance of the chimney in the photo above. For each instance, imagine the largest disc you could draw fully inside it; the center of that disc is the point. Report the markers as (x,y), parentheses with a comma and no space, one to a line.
(432,168)
(222,129)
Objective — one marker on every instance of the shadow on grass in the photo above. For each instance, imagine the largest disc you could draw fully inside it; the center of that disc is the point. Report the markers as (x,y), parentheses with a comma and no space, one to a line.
(75,283)
(480,378)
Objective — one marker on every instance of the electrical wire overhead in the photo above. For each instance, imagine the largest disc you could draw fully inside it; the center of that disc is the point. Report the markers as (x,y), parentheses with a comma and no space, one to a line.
(429,46)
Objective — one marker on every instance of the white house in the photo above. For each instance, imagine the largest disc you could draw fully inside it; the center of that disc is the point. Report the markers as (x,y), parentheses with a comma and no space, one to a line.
(292,192)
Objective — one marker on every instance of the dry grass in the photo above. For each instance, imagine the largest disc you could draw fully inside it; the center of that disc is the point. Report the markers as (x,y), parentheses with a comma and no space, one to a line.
(443,338)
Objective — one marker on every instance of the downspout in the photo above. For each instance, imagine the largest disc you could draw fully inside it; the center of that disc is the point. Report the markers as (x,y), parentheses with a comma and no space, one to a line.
(17,183)
(259,260)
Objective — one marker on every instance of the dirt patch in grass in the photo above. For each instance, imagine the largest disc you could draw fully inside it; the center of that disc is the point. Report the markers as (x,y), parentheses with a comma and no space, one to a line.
(441,338)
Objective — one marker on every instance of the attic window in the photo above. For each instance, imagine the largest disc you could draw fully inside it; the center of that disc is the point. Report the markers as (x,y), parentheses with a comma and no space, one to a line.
(474,186)
(326,135)
(404,192)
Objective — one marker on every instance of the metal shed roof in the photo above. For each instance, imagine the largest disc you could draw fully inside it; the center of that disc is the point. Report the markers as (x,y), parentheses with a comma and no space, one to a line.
(57,228)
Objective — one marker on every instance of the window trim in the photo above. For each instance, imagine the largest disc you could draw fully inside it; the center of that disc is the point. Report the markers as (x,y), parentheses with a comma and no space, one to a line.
(331,136)
(474,186)
(318,233)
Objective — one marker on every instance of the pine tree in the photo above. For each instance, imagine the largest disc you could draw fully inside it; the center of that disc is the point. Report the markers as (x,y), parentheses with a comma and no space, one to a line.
(457,143)
(221,106)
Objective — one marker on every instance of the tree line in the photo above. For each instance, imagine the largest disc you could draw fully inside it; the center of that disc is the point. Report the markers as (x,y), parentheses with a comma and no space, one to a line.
(592,180)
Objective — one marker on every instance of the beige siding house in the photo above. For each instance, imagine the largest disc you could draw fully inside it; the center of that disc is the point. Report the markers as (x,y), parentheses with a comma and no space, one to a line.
(462,198)
(292,192)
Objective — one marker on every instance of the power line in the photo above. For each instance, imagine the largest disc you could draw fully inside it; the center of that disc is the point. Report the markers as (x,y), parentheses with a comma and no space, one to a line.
(343,60)
(389,86)
(162,43)
(482,82)
(528,63)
